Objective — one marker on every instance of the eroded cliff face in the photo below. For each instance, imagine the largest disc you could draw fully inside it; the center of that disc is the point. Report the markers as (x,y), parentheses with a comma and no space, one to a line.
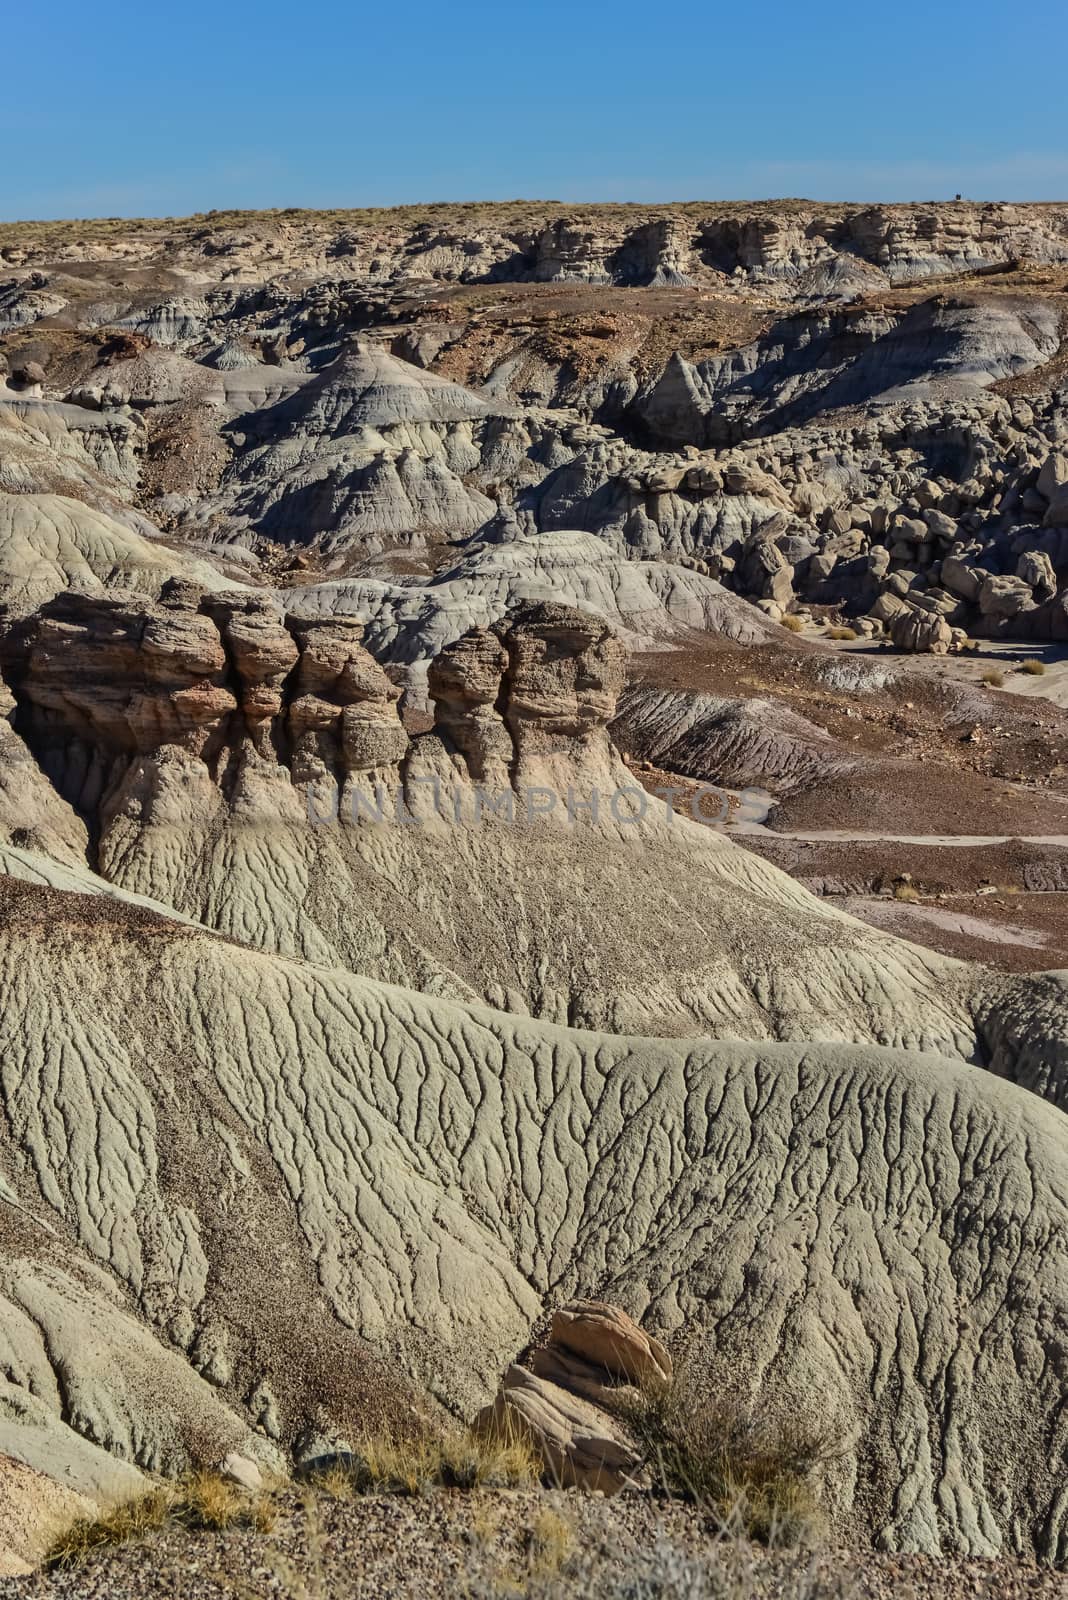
(776,244)
(138,707)
(250,769)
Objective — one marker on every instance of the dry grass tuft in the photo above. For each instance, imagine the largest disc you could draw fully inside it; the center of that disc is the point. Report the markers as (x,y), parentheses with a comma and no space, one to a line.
(550,1543)
(842,633)
(993,677)
(906,892)
(385,1464)
(793,624)
(1035,668)
(730,1570)
(336,1482)
(207,1500)
(118,1525)
(487,1519)
(203,1500)
(753,1475)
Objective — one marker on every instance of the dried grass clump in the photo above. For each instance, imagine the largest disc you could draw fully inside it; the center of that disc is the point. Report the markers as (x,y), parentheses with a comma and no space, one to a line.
(203,1500)
(993,677)
(842,633)
(387,1464)
(793,624)
(550,1543)
(117,1525)
(906,892)
(730,1570)
(1036,669)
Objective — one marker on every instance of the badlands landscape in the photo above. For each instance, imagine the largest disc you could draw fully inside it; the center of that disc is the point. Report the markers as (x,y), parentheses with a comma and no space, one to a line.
(534,834)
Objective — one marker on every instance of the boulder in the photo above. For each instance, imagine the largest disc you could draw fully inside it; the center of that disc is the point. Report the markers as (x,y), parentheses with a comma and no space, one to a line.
(1036,570)
(960,578)
(928,493)
(878,561)
(888,606)
(31,375)
(241,1470)
(909,530)
(1052,474)
(579,1445)
(605,1336)
(821,566)
(923,632)
(766,572)
(1002,597)
(939,526)
(594,1354)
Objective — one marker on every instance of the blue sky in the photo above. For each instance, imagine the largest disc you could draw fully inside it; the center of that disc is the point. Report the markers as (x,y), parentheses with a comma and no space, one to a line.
(115,108)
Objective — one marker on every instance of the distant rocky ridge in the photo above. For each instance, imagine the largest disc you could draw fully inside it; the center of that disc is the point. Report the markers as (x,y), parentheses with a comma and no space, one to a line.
(806,246)
(857,453)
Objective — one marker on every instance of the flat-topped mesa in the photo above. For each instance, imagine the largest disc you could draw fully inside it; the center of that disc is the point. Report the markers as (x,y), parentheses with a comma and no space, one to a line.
(527,703)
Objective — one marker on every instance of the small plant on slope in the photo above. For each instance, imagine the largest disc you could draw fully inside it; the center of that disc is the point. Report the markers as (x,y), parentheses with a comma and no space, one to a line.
(753,1475)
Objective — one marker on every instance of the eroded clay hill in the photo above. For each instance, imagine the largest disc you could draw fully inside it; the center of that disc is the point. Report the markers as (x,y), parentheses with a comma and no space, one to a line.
(344,953)
(251,771)
(188,1118)
(422,1178)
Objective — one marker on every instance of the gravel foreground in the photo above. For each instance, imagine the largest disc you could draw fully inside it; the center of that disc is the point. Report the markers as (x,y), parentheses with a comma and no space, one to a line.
(491,1545)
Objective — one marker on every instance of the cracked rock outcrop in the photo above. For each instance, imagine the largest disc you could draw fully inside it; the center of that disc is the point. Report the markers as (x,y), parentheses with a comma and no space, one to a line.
(254,774)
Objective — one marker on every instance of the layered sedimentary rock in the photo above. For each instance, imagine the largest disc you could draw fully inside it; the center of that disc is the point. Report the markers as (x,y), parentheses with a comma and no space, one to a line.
(254,774)
(768,243)
(357,420)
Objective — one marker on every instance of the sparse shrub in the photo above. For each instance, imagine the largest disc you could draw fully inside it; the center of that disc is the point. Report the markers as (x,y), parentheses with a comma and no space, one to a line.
(794,624)
(993,677)
(842,633)
(753,1475)
(117,1525)
(207,1500)
(487,1519)
(907,892)
(729,1569)
(336,1482)
(1035,668)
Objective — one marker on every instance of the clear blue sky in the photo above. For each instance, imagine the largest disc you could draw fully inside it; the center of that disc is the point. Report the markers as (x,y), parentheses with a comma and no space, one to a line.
(116,108)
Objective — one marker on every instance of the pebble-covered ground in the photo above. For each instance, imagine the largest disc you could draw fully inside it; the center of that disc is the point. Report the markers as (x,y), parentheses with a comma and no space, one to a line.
(490,1545)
